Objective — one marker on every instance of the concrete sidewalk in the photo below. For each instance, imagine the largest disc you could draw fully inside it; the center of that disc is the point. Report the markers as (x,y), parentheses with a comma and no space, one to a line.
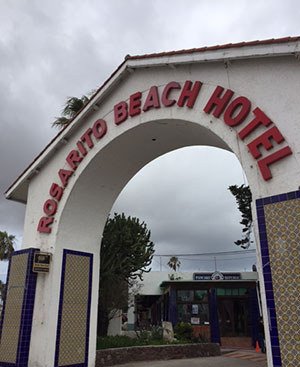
(234,359)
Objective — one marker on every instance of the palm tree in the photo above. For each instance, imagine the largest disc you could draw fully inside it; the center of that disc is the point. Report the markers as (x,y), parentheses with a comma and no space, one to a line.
(174,263)
(72,106)
(6,245)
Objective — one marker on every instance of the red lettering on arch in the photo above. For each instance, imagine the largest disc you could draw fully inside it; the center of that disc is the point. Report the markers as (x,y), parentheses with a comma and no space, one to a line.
(241,103)
(56,191)
(120,112)
(72,158)
(44,224)
(260,119)
(167,90)
(264,163)
(152,100)
(264,140)
(86,137)
(64,175)
(99,129)
(81,148)
(189,94)
(218,102)
(50,207)
(134,104)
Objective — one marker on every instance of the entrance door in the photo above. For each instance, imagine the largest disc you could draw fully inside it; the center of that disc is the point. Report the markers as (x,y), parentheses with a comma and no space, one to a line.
(233,317)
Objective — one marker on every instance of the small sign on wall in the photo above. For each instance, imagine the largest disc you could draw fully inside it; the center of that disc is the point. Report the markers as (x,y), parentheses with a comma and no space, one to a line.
(195,309)
(41,262)
(195,321)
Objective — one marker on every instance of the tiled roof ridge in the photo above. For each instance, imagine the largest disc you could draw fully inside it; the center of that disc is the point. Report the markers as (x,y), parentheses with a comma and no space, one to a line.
(216,47)
(161,54)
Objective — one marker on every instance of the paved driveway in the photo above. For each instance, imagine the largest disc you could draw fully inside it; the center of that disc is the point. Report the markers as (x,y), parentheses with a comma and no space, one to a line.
(234,359)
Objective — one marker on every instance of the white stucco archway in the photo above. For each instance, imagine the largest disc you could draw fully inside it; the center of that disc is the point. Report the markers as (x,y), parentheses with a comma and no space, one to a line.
(151,105)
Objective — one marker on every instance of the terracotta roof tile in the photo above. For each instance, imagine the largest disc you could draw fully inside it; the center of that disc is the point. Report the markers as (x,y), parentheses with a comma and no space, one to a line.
(216,47)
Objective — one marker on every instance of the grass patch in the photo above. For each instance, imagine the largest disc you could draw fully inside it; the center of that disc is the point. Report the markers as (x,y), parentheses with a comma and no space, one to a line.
(118,341)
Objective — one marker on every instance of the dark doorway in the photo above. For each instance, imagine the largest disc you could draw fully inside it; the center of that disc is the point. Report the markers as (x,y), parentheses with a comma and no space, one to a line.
(233,317)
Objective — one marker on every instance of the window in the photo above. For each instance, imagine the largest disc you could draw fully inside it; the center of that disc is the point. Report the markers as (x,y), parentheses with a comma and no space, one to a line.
(184,312)
(220,292)
(185,296)
(201,295)
(232,292)
(193,306)
(228,292)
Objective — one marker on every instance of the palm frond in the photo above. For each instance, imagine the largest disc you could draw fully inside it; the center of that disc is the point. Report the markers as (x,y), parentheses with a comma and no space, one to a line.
(60,122)
(74,105)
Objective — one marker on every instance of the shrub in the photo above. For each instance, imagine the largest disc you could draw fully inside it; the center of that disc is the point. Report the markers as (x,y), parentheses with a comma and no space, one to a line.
(184,331)
(117,341)
(156,333)
(151,335)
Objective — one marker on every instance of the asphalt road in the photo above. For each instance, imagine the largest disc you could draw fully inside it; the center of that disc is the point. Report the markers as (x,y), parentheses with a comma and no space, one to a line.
(234,359)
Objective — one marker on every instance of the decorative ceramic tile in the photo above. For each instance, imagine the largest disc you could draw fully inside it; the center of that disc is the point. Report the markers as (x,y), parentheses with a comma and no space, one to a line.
(73,323)
(17,313)
(283,234)
(13,309)
(279,232)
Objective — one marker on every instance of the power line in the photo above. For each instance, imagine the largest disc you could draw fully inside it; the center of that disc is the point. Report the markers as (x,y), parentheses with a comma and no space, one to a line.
(209,253)
(212,259)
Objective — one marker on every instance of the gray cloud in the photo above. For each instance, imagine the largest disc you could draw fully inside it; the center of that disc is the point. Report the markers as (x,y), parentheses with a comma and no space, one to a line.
(50,50)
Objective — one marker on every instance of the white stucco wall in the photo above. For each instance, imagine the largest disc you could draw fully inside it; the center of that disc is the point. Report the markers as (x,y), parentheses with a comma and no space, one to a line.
(152,280)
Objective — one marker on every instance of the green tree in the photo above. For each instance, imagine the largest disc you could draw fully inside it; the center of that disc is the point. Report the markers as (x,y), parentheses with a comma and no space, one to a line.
(243,197)
(126,251)
(72,106)
(6,245)
(174,263)
(2,290)
(6,248)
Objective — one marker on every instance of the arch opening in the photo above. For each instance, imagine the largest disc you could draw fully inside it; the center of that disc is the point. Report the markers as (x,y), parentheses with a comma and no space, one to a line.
(101,182)
(112,168)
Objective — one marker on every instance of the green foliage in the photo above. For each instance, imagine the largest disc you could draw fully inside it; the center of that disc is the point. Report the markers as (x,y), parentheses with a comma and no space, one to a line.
(6,245)
(117,341)
(126,251)
(184,331)
(121,341)
(156,333)
(243,198)
(72,106)
(2,290)
(151,335)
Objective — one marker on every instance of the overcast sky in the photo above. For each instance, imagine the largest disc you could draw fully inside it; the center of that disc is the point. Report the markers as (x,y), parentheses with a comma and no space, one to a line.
(52,49)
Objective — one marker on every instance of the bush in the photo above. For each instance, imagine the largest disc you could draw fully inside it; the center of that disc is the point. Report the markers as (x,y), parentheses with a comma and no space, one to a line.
(156,333)
(117,341)
(151,335)
(184,331)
